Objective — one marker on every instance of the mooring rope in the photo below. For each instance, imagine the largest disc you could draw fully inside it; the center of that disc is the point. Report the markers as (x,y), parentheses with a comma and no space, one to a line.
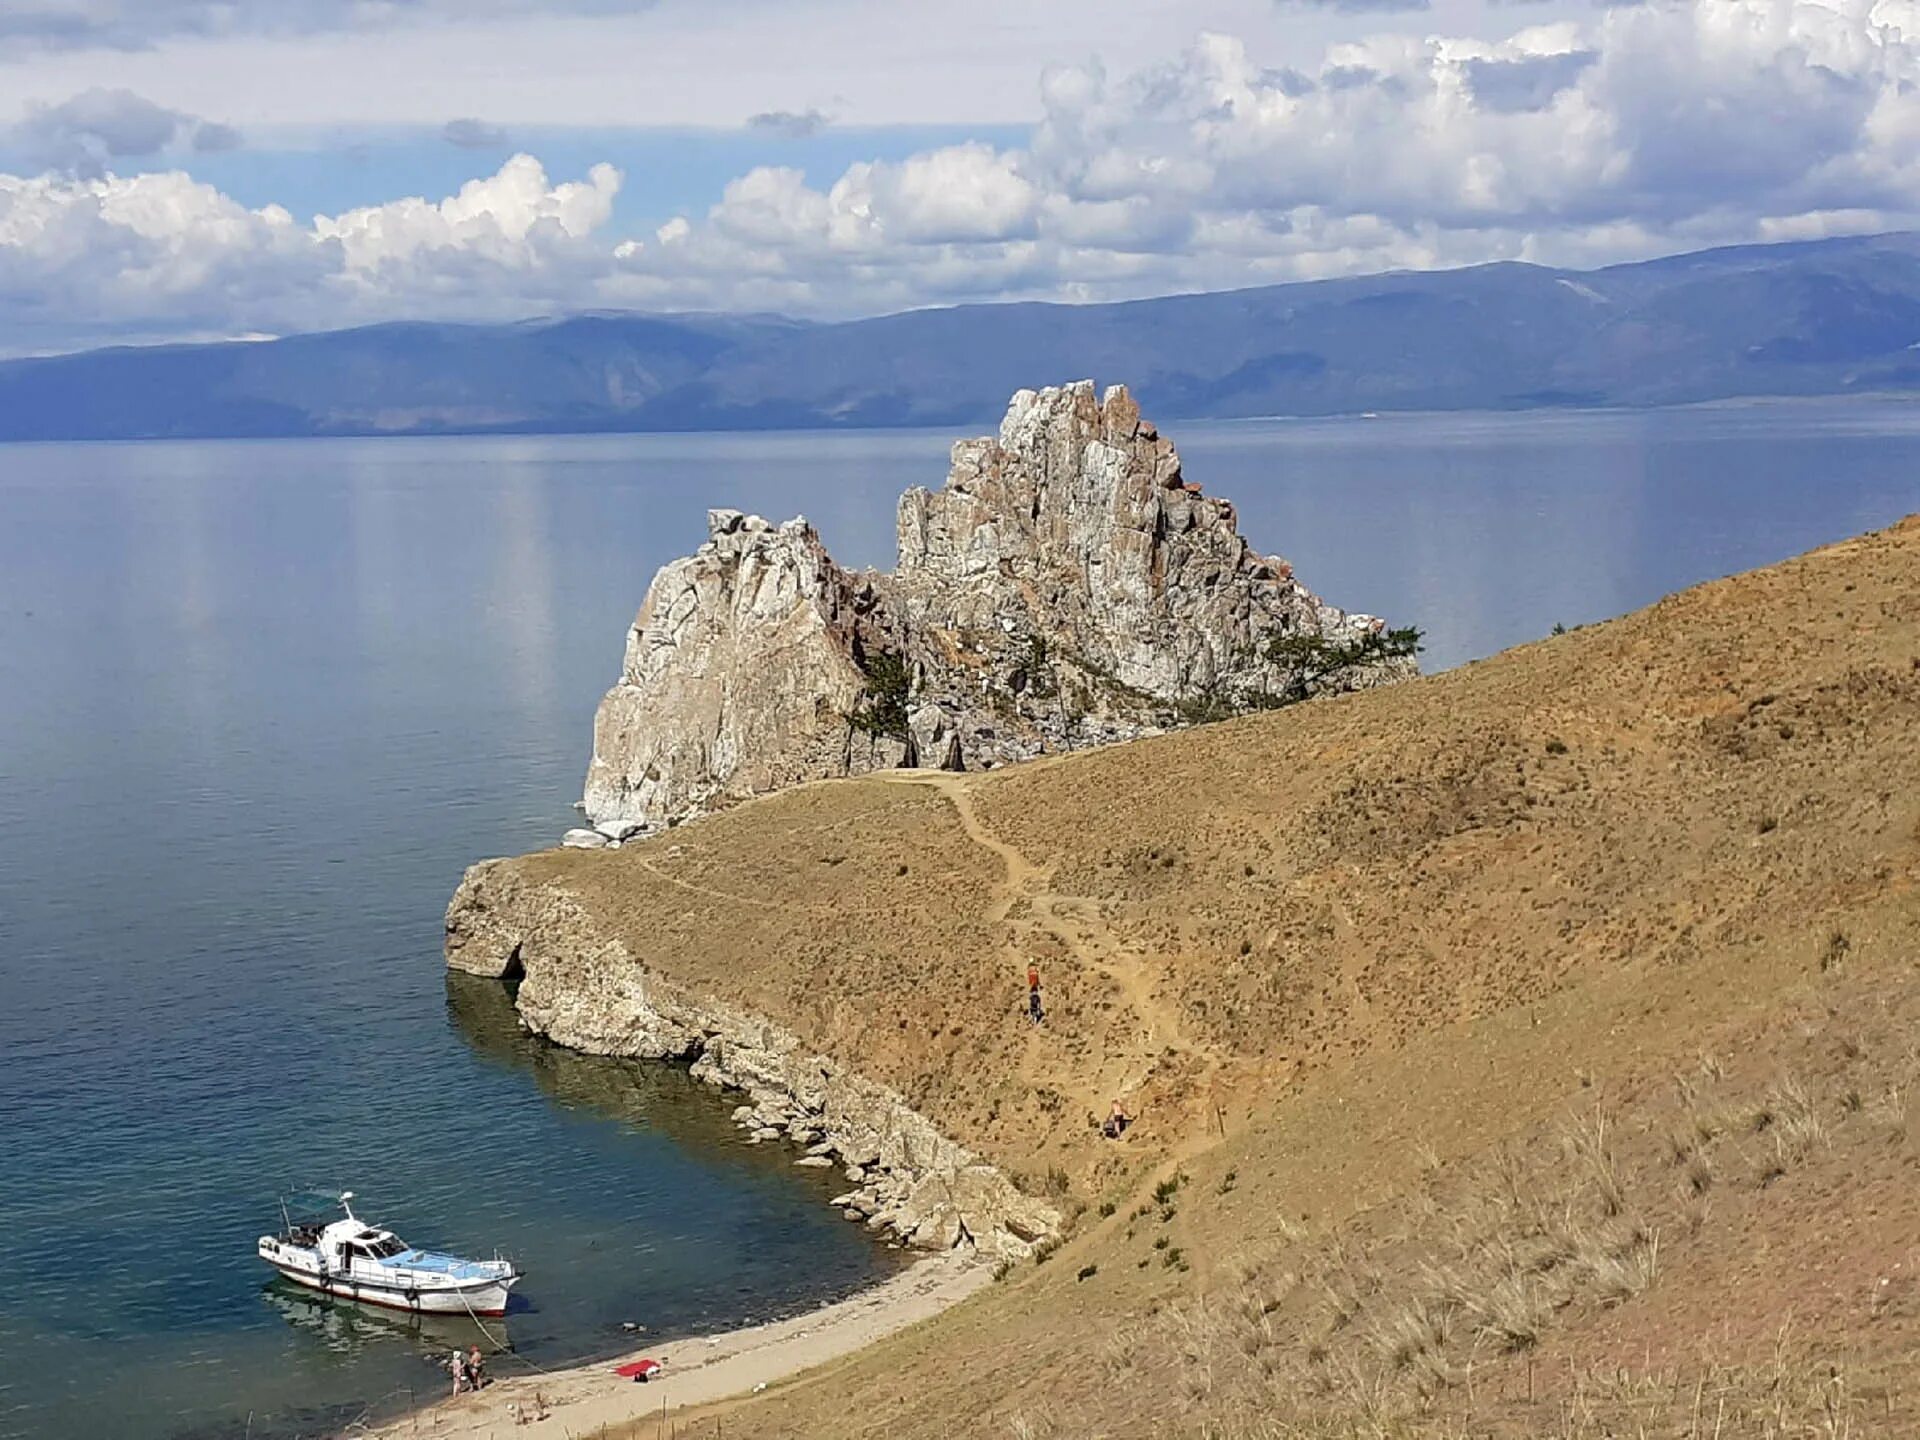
(498,1345)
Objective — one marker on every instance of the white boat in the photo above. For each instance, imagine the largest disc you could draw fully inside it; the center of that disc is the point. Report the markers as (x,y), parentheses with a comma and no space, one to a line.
(357,1261)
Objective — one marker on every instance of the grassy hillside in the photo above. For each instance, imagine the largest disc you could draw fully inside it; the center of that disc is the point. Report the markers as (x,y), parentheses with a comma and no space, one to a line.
(1524,1050)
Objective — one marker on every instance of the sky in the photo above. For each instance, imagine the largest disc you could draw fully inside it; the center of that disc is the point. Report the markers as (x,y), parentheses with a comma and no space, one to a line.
(198,169)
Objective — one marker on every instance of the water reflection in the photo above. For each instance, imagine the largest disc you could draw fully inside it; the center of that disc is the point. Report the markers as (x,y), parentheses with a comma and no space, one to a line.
(641,1095)
(346,1327)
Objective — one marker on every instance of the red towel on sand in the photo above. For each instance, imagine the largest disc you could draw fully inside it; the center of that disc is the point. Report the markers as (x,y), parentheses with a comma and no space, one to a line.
(639,1370)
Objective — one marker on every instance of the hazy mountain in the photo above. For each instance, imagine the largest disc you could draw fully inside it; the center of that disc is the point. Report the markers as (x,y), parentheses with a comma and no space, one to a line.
(1813,318)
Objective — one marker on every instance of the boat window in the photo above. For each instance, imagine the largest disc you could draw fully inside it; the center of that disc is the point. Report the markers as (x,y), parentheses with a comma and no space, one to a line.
(387,1248)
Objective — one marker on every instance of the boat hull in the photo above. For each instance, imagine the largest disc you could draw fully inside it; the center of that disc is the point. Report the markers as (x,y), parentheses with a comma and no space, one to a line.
(488,1299)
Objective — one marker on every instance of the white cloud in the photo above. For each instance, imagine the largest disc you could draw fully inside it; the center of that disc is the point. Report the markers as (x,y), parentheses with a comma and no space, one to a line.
(1626,132)
(1637,131)
(514,219)
(160,254)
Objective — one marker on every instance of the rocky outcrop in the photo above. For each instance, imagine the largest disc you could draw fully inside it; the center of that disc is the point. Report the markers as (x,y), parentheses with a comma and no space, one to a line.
(1068,587)
(583,989)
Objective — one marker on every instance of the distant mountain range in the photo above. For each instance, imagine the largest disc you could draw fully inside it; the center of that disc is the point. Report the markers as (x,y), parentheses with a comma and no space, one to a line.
(1821,317)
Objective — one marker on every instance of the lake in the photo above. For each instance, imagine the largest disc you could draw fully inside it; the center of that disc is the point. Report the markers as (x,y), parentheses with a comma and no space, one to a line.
(261,702)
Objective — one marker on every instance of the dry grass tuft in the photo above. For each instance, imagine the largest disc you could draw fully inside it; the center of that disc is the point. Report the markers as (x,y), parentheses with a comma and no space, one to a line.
(1589,1138)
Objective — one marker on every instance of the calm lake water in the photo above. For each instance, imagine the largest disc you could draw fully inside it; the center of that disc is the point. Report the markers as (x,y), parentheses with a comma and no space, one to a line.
(261,702)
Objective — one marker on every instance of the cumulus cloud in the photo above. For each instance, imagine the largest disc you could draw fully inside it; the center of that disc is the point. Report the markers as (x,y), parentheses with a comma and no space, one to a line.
(87,134)
(1630,131)
(791,124)
(471,134)
(158,254)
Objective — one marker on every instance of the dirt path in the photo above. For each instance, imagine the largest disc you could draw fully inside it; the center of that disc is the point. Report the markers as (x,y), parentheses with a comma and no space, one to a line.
(727,895)
(1067,919)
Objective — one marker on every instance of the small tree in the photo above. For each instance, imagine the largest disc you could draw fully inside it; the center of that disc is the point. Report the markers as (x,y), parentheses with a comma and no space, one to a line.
(1311,660)
(884,710)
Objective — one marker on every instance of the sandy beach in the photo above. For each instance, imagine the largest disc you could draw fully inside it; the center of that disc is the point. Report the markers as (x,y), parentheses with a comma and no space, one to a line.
(579,1401)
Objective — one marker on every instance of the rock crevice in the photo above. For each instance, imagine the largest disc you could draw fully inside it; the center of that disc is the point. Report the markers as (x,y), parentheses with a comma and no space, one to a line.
(1068,587)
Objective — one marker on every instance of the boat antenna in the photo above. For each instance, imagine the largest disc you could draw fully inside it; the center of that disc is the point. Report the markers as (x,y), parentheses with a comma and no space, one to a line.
(345,1196)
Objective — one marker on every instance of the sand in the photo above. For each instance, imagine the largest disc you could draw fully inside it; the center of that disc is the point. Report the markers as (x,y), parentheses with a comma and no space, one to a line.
(579,1401)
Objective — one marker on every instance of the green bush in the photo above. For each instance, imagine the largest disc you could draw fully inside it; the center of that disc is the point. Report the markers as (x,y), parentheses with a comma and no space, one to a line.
(884,710)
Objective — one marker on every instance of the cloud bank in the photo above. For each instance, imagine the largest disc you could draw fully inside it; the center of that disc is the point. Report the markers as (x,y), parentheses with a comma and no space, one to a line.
(27,25)
(1634,131)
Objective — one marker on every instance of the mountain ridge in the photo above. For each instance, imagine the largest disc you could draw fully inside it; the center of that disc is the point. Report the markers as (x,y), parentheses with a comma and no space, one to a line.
(1821,317)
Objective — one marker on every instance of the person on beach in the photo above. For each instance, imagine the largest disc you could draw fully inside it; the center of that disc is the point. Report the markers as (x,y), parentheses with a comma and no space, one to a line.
(476,1368)
(1034,1012)
(458,1366)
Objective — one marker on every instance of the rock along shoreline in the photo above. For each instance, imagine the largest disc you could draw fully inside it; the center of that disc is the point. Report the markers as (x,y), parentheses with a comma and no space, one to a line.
(584,989)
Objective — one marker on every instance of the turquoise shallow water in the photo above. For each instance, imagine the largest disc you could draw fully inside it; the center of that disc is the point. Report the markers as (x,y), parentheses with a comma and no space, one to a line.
(261,702)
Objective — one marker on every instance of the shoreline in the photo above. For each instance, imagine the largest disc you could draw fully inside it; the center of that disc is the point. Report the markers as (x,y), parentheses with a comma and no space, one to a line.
(580,1399)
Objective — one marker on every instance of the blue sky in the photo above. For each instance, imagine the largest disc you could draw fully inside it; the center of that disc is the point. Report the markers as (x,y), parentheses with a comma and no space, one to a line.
(204,168)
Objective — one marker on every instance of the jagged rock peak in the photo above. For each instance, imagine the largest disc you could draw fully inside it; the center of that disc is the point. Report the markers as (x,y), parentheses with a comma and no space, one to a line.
(1067,587)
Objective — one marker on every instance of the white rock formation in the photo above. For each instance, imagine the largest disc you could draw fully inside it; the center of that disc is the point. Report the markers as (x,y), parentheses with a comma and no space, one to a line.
(1068,587)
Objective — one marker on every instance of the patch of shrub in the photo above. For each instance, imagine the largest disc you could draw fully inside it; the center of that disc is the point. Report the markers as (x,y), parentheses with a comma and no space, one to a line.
(883,712)
(1312,660)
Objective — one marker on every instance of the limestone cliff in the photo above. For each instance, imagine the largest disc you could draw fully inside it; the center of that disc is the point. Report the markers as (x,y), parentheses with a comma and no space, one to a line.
(1067,588)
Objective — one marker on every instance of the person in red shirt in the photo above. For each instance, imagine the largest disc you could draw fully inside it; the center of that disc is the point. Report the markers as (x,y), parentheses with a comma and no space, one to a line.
(1034,1012)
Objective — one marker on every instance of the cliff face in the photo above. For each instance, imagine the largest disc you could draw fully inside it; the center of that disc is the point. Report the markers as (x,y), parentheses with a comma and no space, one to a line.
(583,985)
(1067,588)
(738,675)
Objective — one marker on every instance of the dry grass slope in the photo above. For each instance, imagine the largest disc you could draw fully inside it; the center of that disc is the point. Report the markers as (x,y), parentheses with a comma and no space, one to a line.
(1521,1051)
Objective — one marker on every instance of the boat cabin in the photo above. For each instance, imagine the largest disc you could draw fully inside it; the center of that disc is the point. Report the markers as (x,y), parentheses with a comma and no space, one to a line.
(346,1241)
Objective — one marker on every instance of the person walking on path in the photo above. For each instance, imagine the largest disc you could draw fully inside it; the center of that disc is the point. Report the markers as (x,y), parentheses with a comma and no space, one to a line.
(1034,1012)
